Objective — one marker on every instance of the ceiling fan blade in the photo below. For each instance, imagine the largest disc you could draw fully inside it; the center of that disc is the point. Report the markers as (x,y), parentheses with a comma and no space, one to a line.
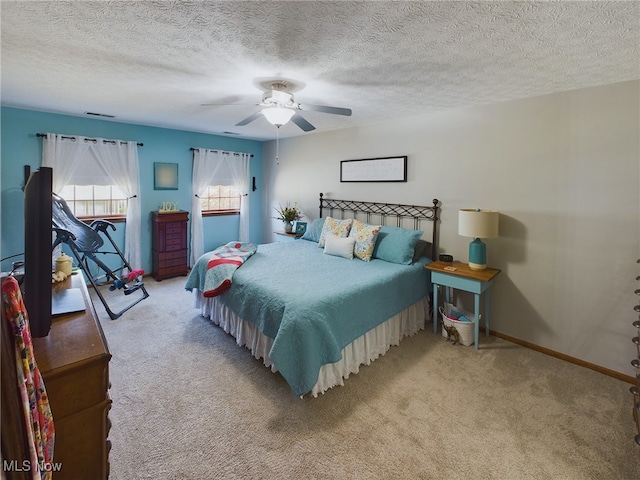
(249,119)
(302,123)
(229,100)
(325,109)
(228,104)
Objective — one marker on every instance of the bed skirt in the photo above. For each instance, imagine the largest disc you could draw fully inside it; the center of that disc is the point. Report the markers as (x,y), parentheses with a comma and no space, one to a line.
(362,351)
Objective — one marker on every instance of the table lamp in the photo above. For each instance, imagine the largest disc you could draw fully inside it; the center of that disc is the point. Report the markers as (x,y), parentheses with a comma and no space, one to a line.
(478,224)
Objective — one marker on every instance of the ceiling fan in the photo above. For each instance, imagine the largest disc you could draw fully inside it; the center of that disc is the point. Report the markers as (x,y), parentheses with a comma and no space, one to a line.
(280,107)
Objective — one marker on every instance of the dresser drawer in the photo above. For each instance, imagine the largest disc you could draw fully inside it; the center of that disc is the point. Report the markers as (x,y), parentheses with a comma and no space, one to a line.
(81,444)
(174,231)
(175,270)
(174,262)
(89,388)
(175,246)
(180,254)
(174,240)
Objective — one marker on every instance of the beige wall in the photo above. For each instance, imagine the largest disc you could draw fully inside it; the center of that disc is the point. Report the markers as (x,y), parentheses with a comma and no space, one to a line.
(562,169)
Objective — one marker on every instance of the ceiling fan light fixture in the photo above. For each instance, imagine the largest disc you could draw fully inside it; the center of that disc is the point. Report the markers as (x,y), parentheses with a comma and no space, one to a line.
(278,116)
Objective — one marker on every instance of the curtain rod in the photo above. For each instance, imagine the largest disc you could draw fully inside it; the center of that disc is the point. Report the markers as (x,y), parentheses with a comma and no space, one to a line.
(87,139)
(221,151)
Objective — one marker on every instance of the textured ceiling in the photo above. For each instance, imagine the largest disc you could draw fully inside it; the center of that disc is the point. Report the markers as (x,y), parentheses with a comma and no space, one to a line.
(155,63)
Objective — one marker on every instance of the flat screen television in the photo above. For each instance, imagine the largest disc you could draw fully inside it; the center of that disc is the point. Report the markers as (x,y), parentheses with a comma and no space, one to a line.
(36,286)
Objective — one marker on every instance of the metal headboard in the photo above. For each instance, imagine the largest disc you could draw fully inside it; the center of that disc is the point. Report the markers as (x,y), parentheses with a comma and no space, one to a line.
(398,211)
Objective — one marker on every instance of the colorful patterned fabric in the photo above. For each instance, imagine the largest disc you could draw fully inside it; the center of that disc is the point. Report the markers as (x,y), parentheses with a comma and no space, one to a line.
(223,263)
(333,226)
(365,236)
(37,413)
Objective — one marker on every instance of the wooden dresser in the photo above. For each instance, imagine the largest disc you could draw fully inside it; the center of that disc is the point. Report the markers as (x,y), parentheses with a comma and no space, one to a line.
(169,244)
(74,362)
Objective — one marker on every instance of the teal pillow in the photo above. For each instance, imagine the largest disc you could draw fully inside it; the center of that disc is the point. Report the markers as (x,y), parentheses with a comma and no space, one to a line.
(314,230)
(396,245)
(423,249)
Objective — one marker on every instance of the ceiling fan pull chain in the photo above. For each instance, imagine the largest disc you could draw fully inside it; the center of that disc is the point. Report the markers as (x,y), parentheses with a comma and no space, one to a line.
(277,145)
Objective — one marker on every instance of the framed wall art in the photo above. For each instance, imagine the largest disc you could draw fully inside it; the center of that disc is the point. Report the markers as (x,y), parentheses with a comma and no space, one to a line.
(299,228)
(165,176)
(386,169)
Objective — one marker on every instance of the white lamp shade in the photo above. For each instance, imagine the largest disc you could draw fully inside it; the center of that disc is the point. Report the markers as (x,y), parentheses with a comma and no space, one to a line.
(478,223)
(278,116)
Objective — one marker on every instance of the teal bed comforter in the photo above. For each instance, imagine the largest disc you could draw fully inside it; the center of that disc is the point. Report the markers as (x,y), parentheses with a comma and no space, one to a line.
(313,304)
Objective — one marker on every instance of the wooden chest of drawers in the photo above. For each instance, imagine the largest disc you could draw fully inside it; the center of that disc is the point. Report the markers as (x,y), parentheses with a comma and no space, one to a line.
(169,244)
(74,362)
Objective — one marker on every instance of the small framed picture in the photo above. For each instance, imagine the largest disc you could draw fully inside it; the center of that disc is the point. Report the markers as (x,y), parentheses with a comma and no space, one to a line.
(299,228)
(165,176)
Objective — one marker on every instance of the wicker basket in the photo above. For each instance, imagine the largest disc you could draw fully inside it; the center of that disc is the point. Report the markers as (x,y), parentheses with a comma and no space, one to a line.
(466,330)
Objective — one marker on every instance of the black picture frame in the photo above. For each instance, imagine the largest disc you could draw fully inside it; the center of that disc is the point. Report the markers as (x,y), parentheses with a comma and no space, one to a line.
(382,169)
(165,176)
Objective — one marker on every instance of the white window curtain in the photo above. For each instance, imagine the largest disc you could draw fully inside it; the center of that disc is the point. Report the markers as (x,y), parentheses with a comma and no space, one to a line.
(81,161)
(211,167)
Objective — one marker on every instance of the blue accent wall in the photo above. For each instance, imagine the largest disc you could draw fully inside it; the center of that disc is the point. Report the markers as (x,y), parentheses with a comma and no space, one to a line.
(20,146)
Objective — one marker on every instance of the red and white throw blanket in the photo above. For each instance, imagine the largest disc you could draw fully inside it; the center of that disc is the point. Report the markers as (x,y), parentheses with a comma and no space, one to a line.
(224,261)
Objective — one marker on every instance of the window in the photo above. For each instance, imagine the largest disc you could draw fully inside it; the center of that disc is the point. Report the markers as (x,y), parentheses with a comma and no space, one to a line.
(221,199)
(89,201)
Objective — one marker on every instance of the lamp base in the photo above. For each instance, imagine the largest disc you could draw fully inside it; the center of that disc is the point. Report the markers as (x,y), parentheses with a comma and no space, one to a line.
(475,266)
(477,255)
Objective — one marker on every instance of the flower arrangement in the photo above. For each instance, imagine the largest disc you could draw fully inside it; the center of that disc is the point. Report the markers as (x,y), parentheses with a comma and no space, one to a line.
(288,213)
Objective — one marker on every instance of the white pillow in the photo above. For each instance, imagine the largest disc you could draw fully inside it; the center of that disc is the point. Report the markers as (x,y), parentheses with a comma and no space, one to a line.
(339,246)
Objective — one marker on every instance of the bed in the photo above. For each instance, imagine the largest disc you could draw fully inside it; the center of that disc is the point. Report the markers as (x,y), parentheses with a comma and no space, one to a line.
(315,316)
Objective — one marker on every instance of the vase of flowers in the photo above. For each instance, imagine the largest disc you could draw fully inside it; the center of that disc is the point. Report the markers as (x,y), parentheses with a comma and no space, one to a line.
(287,215)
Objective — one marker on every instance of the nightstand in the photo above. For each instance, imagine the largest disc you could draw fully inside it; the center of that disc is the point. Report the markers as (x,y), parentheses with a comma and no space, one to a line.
(458,275)
(287,237)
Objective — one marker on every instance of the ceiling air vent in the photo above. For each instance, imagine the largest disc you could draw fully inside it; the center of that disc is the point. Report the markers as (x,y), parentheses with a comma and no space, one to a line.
(103,115)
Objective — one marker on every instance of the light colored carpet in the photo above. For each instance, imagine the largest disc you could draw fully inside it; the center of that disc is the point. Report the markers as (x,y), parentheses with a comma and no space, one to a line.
(188,403)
